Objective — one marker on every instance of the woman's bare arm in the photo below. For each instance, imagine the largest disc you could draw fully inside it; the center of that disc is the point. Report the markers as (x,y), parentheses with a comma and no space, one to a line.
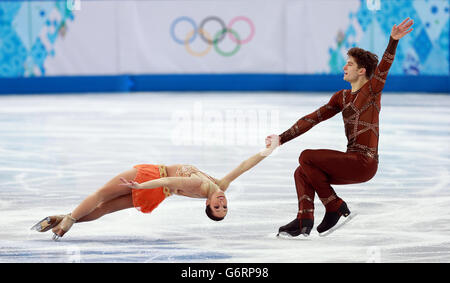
(173,183)
(245,166)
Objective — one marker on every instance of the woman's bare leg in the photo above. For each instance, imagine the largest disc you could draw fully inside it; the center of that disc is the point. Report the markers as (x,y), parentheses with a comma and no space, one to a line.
(109,191)
(119,203)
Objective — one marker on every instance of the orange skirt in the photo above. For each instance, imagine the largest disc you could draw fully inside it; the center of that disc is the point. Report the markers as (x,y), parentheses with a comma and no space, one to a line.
(146,200)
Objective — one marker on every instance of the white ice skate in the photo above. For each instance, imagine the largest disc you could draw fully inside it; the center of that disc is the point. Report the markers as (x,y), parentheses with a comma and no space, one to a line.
(47,223)
(63,227)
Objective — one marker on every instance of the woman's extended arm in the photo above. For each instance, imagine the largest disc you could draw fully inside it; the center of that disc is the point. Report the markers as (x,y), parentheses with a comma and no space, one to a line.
(245,166)
(173,183)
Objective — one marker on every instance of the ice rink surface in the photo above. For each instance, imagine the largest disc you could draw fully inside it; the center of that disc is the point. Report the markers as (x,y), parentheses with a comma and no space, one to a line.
(57,149)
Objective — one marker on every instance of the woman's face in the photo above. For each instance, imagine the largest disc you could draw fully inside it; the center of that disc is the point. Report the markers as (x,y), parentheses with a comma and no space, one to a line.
(218,204)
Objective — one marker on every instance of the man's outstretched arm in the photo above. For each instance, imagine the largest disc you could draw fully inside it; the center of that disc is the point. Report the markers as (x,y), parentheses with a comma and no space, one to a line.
(305,123)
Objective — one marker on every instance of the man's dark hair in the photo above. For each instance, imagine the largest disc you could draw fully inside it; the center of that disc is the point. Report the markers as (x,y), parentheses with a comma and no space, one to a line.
(210,214)
(364,59)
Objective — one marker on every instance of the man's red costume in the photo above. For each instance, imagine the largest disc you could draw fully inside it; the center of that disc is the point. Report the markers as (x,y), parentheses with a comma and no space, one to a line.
(320,168)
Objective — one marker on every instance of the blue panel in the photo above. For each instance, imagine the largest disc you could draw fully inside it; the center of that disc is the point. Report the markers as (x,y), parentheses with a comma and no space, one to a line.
(216,82)
(36,85)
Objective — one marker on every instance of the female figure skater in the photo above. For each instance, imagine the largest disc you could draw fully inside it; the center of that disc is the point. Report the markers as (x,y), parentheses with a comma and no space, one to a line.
(360,109)
(146,186)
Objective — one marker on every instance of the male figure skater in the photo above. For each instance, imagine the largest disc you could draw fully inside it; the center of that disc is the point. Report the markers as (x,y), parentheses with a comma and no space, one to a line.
(360,108)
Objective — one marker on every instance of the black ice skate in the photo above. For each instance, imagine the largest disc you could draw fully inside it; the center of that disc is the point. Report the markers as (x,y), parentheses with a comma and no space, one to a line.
(297,227)
(47,223)
(331,218)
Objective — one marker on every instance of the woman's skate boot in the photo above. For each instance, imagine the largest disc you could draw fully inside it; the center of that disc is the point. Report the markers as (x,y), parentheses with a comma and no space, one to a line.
(47,223)
(63,227)
(296,227)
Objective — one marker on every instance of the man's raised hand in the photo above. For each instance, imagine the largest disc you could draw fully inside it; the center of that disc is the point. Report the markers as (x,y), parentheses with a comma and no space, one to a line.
(402,29)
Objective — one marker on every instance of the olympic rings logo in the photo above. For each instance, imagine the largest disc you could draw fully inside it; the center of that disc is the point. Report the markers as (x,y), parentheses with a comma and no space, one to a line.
(212,41)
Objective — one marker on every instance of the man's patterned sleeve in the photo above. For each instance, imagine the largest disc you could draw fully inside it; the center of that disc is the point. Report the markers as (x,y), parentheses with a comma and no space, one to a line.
(379,77)
(305,123)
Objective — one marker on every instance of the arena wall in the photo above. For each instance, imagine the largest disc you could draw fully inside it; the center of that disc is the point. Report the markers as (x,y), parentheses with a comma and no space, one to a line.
(216,45)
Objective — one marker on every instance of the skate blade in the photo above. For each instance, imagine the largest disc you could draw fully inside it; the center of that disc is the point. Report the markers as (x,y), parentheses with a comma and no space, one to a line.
(284,235)
(56,237)
(348,218)
(43,225)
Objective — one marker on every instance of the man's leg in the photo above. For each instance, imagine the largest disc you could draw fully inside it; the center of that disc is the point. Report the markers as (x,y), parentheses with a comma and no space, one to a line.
(325,167)
(305,195)
(305,216)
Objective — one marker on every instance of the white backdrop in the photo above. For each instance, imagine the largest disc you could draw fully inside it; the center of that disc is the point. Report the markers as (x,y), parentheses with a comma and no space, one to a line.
(312,27)
(277,36)
(111,37)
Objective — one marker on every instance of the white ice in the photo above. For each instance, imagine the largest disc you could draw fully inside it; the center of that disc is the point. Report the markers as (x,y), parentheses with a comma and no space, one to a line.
(57,149)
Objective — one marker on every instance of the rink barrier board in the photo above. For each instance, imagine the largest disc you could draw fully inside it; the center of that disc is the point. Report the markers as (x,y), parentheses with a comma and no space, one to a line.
(210,82)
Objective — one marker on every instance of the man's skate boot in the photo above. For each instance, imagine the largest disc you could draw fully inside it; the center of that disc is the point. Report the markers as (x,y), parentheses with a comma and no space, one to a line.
(47,223)
(331,218)
(297,227)
(63,227)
